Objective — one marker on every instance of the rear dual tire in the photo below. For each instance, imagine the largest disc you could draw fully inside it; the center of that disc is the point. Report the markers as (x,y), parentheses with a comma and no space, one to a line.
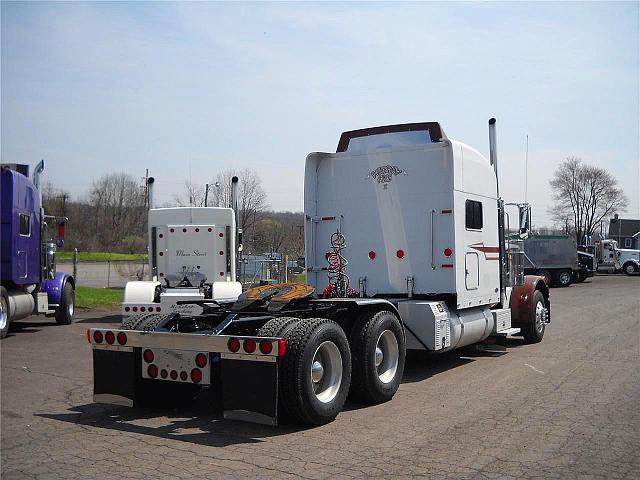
(378,355)
(315,373)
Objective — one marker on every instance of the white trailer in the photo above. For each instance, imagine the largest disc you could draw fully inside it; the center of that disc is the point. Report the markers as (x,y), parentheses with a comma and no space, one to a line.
(192,258)
(405,249)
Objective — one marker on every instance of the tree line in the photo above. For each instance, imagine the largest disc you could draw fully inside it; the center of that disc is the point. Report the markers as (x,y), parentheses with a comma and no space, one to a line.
(112,215)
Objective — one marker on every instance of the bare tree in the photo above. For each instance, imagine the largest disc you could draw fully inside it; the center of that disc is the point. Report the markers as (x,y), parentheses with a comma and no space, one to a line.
(585,195)
(118,208)
(193,195)
(252,199)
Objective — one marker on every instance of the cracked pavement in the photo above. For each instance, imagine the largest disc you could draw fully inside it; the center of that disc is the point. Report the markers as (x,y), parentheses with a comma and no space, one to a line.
(568,407)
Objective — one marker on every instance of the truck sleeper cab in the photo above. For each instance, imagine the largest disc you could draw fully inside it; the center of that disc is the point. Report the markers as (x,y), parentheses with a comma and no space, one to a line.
(405,249)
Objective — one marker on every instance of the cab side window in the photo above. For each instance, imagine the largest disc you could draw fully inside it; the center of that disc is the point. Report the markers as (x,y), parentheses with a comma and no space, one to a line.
(25,225)
(473,215)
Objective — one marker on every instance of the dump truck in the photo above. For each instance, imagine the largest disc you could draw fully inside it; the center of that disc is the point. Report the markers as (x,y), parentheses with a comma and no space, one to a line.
(30,238)
(405,249)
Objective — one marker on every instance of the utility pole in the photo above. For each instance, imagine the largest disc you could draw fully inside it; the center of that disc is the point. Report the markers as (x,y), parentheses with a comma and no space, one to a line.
(206,194)
(145,187)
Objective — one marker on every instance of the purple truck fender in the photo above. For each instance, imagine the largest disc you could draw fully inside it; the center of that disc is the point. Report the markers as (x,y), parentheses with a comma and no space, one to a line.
(54,286)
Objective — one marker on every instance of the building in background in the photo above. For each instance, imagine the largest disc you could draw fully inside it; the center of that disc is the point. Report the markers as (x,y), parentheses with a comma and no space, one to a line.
(626,231)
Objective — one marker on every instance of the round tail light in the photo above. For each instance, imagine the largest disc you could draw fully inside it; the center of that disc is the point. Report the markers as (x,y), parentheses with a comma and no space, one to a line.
(110,337)
(148,356)
(183,376)
(152,371)
(163,373)
(201,360)
(122,338)
(126,309)
(135,309)
(173,375)
(233,345)
(249,346)
(196,375)
(448,252)
(400,253)
(158,309)
(266,347)
(97,336)
(372,255)
(142,309)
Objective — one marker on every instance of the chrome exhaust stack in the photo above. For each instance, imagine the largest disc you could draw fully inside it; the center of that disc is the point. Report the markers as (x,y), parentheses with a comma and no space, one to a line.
(150,197)
(504,267)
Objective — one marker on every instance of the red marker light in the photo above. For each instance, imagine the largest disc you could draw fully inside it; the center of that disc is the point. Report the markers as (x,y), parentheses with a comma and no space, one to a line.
(135,309)
(161,254)
(110,338)
(266,347)
(61,230)
(97,336)
(400,254)
(233,345)
(201,360)
(183,376)
(196,375)
(142,309)
(249,346)
(448,252)
(158,309)
(122,338)
(148,356)
(152,371)
(163,373)
(174,375)
(282,347)
(372,255)
(126,309)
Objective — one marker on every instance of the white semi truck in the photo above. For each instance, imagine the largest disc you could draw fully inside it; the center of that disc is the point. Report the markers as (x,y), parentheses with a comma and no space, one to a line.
(192,258)
(405,249)
(613,259)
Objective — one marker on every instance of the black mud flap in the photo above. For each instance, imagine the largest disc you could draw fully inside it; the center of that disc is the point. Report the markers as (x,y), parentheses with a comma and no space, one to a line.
(250,390)
(114,377)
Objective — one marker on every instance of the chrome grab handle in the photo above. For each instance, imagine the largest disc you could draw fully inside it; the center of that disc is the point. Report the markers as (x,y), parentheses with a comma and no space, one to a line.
(433,246)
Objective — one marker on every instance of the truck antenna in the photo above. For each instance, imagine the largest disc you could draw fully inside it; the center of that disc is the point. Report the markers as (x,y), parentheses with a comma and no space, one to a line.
(526,170)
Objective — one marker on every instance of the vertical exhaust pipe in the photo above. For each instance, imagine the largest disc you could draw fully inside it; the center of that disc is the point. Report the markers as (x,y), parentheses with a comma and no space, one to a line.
(493,149)
(493,159)
(150,198)
(238,232)
(37,173)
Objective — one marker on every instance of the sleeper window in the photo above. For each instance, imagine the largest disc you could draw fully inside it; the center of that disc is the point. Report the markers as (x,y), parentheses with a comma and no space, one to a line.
(25,225)
(473,215)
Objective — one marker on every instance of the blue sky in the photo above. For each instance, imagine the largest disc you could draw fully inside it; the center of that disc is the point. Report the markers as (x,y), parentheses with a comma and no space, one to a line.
(189,89)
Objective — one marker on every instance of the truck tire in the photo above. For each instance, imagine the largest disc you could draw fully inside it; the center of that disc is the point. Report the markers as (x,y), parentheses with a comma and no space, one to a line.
(534,330)
(630,268)
(546,275)
(5,318)
(563,278)
(580,276)
(64,312)
(277,327)
(377,357)
(315,373)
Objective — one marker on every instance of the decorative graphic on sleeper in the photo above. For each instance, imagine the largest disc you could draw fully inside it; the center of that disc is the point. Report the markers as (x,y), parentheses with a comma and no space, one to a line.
(385,173)
(490,253)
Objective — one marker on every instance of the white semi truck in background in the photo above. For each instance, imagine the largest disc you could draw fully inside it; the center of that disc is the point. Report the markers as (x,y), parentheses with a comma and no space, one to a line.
(610,258)
(405,249)
(192,258)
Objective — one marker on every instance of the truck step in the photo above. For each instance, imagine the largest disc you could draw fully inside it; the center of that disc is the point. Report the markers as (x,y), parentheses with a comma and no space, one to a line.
(509,331)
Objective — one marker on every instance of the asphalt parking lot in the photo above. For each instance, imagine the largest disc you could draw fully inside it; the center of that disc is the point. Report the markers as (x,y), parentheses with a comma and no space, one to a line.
(565,408)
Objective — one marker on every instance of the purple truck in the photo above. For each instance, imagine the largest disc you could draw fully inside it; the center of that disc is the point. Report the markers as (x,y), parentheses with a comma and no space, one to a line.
(30,283)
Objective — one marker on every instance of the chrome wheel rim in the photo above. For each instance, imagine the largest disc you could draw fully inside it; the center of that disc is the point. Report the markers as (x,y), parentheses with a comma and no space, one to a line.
(326,371)
(3,313)
(564,278)
(387,355)
(70,306)
(540,316)
(630,269)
